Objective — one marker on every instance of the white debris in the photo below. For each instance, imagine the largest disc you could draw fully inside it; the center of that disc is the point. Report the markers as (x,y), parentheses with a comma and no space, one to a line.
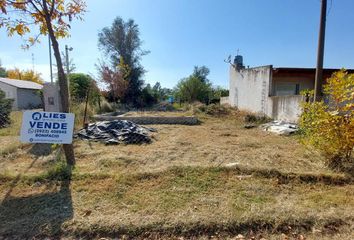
(233,164)
(280,127)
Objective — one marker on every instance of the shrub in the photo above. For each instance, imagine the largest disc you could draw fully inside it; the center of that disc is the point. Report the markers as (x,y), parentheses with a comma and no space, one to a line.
(5,110)
(196,87)
(105,107)
(256,118)
(80,84)
(215,110)
(329,125)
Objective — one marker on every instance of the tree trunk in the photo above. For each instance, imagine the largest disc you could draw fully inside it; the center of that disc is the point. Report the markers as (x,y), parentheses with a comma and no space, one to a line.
(64,91)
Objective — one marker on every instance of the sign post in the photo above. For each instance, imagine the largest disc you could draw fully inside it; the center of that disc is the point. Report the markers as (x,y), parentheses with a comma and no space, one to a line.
(47,127)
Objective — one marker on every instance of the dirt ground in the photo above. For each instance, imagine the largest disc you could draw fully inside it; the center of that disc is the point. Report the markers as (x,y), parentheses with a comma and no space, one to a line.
(215,180)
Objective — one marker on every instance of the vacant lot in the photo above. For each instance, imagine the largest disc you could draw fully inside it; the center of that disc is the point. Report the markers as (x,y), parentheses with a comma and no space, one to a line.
(215,179)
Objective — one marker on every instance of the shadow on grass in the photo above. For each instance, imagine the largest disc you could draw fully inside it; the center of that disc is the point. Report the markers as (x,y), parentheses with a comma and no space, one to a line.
(41,149)
(37,215)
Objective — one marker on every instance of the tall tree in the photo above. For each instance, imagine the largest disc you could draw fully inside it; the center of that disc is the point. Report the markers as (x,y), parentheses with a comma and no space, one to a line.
(52,18)
(201,73)
(120,42)
(115,79)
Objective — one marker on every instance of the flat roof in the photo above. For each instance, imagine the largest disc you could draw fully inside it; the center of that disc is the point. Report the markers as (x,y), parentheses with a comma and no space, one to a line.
(21,83)
(307,70)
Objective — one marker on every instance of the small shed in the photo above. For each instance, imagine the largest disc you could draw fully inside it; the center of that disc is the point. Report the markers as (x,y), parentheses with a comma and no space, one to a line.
(26,94)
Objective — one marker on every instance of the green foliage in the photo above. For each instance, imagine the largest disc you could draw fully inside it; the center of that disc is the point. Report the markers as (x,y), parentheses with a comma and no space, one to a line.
(196,87)
(59,172)
(329,125)
(201,73)
(120,42)
(148,97)
(159,93)
(80,84)
(152,95)
(3,72)
(5,110)
(217,93)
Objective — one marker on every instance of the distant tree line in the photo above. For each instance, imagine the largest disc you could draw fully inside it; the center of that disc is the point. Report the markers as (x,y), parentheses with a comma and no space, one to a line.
(16,73)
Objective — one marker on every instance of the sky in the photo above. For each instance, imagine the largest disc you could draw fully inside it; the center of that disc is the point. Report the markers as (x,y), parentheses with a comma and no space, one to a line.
(181,34)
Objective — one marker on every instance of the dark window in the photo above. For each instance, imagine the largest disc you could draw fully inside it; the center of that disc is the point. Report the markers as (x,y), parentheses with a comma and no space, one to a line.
(297,89)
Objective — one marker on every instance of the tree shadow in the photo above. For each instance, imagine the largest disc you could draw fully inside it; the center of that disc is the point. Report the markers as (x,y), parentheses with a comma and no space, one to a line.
(37,215)
(41,149)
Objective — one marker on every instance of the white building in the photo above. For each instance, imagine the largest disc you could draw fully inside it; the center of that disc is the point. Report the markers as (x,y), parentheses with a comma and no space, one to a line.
(26,94)
(274,92)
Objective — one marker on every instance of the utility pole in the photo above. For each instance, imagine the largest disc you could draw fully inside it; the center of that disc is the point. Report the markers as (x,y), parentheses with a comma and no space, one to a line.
(50,59)
(33,62)
(320,53)
(67,49)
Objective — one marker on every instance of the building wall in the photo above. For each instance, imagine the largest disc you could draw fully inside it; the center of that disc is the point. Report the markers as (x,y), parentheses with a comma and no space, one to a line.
(28,99)
(304,82)
(286,108)
(250,88)
(10,92)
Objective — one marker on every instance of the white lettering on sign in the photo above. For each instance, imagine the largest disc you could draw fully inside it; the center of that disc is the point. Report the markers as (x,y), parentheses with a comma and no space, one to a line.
(47,127)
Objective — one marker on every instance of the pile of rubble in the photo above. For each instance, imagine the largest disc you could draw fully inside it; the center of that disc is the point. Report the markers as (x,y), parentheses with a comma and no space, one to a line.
(116,132)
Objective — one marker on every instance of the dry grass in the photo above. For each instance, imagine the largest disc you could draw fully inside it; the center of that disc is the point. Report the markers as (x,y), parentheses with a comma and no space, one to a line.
(215,179)
(216,142)
(15,127)
(181,201)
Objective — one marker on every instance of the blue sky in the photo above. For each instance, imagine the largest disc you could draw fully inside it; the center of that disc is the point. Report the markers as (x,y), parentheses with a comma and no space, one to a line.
(183,33)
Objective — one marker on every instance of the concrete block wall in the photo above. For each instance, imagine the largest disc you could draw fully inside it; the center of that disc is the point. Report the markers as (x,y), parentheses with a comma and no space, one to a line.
(147,120)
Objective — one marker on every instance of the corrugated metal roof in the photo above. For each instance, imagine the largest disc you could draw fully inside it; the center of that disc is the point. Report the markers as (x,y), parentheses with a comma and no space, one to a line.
(21,83)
